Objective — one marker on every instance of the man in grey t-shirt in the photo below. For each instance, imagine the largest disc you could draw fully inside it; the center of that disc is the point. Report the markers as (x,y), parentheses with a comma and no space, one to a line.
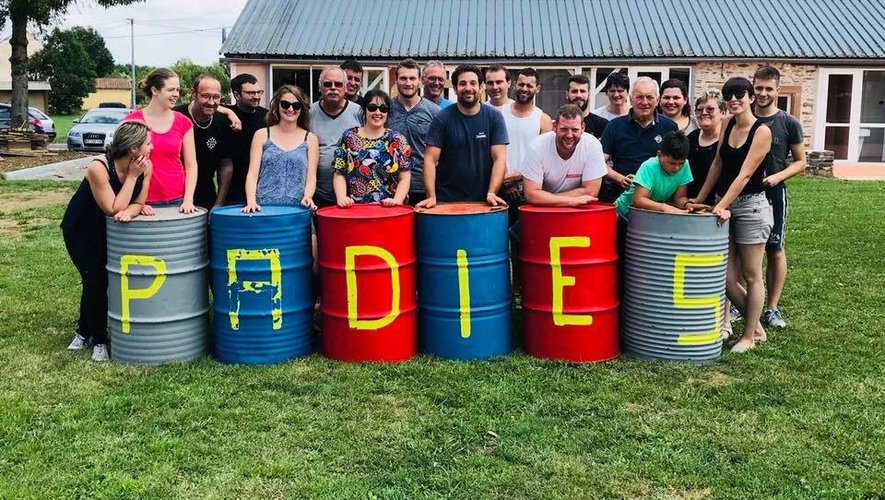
(786,137)
(329,118)
(410,115)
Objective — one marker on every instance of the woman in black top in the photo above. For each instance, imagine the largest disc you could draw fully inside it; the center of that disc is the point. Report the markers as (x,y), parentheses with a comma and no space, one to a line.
(704,142)
(113,187)
(736,173)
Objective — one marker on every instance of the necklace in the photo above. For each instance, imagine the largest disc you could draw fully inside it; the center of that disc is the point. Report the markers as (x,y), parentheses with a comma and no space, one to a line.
(197,124)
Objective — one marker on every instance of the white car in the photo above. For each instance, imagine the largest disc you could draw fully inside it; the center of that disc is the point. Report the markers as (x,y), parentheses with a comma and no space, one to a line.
(94,131)
(46,123)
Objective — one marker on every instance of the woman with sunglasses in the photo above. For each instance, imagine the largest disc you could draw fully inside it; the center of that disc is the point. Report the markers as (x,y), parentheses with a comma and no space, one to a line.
(674,105)
(736,174)
(284,155)
(372,162)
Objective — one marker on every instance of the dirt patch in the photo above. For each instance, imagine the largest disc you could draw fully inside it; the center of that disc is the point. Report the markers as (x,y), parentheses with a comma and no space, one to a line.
(711,379)
(680,494)
(12,202)
(10,163)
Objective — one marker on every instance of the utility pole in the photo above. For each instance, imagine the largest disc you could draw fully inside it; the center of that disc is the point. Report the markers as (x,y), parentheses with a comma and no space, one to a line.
(132,44)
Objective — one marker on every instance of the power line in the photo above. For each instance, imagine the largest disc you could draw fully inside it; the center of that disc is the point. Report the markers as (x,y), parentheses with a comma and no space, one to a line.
(219,28)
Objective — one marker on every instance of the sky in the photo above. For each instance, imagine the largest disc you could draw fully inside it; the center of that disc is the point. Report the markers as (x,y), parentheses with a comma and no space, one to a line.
(165,30)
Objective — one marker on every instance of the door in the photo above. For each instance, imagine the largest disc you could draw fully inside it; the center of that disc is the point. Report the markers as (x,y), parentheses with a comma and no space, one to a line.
(852,124)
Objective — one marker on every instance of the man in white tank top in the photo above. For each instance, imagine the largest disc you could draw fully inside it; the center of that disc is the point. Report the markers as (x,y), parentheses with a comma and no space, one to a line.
(524,122)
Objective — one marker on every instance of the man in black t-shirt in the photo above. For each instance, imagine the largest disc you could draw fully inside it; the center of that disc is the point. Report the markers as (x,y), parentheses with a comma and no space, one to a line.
(213,139)
(247,94)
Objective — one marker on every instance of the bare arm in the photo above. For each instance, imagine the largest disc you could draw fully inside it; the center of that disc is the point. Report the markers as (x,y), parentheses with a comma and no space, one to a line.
(431,157)
(577,197)
(546,123)
(793,169)
(232,117)
(100,185)
(225,174)
(614,176)
(499,168)
(189,154)
(313,160)
(254,167)
(137,205)
(641,199)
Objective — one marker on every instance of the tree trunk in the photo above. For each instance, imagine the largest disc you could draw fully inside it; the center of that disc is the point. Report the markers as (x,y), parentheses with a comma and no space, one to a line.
(19,63)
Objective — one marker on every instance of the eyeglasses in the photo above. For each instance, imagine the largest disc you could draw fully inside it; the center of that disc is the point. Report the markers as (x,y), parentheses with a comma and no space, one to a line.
(210,97)
(371,108)
(737,94)
(252,93)
(708,110)
(295,105)
(329,85)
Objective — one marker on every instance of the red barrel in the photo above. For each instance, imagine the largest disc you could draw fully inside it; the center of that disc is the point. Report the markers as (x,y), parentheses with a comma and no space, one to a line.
(569,281)
(367,271)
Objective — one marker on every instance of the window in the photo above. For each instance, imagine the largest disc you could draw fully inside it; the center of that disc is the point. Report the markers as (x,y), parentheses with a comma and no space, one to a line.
(852,124)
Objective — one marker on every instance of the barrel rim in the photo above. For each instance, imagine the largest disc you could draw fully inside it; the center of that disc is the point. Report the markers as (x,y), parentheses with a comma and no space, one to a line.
(275,210)
(365,211)
(679,214)
(163,214)
(594,207)
(481,208)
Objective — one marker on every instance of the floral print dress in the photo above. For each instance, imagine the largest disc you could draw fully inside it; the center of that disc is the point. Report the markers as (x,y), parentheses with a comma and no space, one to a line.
(371,166)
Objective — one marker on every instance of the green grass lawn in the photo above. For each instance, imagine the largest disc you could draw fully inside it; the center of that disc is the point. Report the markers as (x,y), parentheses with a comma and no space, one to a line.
(799,416)
(63,124)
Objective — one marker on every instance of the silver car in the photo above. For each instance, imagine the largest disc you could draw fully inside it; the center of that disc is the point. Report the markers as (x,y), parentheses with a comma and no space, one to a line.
(95,130)
(46,123)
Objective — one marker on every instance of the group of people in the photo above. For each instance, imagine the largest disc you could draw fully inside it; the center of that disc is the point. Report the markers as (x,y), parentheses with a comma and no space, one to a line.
(644,148)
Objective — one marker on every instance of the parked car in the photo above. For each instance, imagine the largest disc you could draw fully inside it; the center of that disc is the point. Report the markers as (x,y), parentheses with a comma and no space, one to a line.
(111,105)
(95,130)
(35,122)
(46,123)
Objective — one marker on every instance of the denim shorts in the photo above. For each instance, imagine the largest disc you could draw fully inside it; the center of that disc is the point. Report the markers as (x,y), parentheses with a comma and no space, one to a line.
(751,219)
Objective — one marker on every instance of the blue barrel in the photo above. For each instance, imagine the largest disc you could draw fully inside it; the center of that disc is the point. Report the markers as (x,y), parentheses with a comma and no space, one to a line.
(463,281)
(261,284)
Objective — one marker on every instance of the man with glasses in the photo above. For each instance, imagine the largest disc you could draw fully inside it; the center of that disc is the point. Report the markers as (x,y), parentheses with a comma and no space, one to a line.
(354,72)
(466,155)
(433,77)
(410,115)
(247,94)
(786,138)
(213,139)
(329,118)
(633,138)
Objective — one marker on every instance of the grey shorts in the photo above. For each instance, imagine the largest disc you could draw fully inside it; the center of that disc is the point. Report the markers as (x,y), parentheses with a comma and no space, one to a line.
(751,219)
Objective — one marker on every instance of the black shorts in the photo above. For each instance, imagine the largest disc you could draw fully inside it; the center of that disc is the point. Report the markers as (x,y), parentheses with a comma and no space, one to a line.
(777,196)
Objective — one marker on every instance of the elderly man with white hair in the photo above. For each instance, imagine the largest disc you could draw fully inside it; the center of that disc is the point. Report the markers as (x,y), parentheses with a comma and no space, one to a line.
(633,138)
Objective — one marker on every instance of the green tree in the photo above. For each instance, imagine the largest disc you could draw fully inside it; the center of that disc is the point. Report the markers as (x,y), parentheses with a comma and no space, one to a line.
(19,14)
(188,71)
(69,66)
(94,44)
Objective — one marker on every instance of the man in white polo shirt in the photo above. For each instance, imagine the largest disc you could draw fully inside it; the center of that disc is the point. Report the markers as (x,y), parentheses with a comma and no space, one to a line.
(564,168)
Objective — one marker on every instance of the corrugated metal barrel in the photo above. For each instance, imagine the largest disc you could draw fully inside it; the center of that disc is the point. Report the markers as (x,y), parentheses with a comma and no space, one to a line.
(569,281)
(463,281)
(367,276)
(674,286)
(262,284)
(158,294)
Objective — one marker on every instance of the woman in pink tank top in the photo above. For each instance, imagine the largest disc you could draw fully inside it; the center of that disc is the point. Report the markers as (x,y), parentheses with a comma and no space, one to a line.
(173,180)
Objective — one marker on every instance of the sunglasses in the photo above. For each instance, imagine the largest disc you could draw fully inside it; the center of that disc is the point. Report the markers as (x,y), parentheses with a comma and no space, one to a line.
(738,94)
(295,105)
(371,108)
(329,85)
(708,110)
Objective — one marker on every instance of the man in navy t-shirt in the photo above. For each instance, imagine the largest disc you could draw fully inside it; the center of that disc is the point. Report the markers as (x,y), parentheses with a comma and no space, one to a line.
(631,139)
(466,154)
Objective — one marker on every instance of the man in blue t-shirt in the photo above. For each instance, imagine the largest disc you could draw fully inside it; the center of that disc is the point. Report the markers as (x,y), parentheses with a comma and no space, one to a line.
(466,154)
(633,138)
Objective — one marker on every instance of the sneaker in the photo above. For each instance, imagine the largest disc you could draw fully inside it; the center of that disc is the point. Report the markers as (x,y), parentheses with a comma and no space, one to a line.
(100,352)
(735,314)
(79,343)
(773,317)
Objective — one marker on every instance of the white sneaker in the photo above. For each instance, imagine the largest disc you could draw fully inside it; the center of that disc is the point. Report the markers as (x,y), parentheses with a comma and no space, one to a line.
(79,343)
(100,352)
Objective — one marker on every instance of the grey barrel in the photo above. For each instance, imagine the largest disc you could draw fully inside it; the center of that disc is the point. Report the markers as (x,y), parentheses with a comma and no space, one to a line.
(158,299)
(674,286)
